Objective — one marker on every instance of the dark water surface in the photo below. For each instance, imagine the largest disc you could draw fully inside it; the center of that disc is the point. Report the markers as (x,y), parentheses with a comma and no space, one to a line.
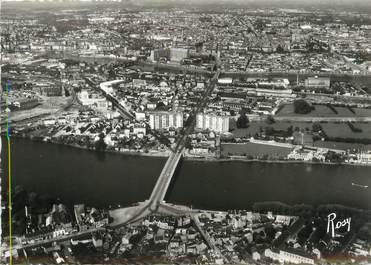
(81,176)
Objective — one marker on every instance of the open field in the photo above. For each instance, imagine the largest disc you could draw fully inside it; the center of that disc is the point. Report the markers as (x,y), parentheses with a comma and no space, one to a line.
(324,111)
(362,112)
(332,129)
(343,146)
(254,127)
(254,149)
(343,130)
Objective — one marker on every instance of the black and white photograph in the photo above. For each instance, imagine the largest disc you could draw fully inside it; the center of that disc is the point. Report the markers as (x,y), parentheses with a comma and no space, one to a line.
(185,132)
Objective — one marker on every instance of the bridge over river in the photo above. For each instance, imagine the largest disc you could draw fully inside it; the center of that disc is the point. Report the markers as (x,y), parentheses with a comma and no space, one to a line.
(156,202)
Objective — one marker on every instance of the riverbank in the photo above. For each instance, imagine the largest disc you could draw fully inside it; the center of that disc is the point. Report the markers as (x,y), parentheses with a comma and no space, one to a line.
(77,176)
(131,153)
(270,161)
(164,154)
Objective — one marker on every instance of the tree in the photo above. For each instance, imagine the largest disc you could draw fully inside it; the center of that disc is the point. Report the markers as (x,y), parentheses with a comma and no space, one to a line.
(188,143)
(269,131)
(290,130)
(270,119)
(334,157)
(316,127)
(365,232)
(100,145)
(302,107)
(242,121)
(164,140)
(280,49)
(160,106)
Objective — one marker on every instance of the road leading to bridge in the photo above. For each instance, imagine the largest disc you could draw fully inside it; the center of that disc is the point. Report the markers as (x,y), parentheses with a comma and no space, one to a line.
(157,197)
(163,182)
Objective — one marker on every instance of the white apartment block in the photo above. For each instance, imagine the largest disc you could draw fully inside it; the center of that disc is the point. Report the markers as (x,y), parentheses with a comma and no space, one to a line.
(288,257)
(165,120)
(212,122)
(364,157)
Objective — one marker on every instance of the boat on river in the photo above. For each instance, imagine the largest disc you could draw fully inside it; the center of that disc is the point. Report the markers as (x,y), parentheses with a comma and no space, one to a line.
(359,185)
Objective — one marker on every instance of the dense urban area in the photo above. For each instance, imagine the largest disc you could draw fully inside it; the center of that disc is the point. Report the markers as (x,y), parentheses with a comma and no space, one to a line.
(275,85)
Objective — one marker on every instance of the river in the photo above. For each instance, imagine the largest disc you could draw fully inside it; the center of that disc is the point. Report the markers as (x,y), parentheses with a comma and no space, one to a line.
(100,179)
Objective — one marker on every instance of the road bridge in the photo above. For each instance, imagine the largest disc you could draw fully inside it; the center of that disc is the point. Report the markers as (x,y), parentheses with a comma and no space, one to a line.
(156,200)
(163,182)
(155,203)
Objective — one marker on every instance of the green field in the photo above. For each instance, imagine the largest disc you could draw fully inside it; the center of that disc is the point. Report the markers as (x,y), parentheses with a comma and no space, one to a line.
(254,127)
(343,146)
(342,130)
(324,111)
(362,112)
(255,150)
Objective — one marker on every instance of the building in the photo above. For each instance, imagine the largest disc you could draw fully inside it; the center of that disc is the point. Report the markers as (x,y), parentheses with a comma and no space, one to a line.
(178,54)
(49,90)
(275,83)
(364,157)
(24,104)
(169,54)
(292,256)
(212,122)
(99,103)
(256,256)
(160,54)
(139,130)
(164,120)
(283,219)
(306,154)
(140,116)
(284,93)
(225,81)
(49,122)
(317,82)
(139,83)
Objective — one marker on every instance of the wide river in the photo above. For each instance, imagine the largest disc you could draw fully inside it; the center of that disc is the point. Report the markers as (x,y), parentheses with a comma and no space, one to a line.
(82,176)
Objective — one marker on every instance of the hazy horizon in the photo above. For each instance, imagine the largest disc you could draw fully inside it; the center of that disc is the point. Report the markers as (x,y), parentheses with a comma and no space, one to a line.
(239,2)
(363,6)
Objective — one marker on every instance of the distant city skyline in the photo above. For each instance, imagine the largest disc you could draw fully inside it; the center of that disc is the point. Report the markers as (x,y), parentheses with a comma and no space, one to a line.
(239,2)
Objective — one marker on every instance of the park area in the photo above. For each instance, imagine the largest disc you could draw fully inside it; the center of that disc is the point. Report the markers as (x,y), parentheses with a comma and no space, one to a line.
(325,111)
(254,150)
(344,130)
(343,146)
(257,126)
(343,136)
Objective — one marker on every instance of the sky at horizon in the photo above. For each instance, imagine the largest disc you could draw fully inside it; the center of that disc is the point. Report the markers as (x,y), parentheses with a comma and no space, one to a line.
(350,2)
(346,5)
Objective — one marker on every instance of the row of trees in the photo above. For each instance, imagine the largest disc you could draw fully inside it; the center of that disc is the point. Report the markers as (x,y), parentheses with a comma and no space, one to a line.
(302,107)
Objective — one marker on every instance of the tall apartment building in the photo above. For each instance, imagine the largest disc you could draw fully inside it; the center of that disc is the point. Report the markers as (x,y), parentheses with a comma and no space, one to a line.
(171,54)
(157,54)
(178,54)
(165,120)
(212,122)
(317,82)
